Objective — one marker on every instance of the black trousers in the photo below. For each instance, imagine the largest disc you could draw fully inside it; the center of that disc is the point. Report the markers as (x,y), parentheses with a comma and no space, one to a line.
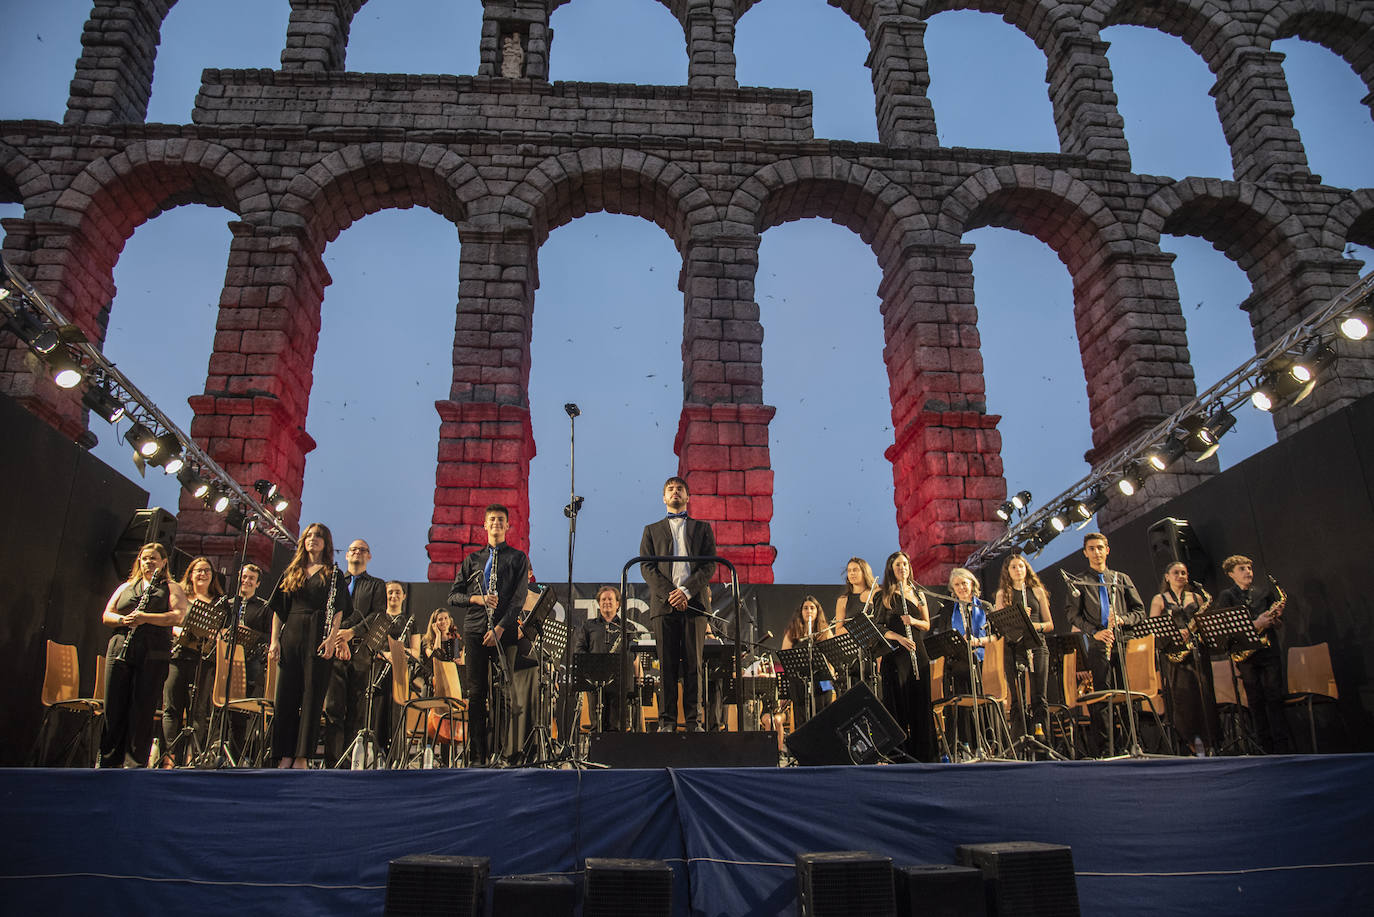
(345,706)
(132,691)
(680,637)
(480,665)
(302,680)
(1262,674)
(186,669)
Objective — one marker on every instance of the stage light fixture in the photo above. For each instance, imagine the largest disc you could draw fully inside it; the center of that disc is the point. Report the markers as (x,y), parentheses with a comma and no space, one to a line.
(142,439)
(97,398)
(1086,508)
(1308,368)
(1165,454)
(217,499)
(271,495)
(1354,325)
(66,370)
(238,518)
(1060,520)
(193,482)
(1218,425)
(1021,500)
(1005,510)
(168,454)
(1132,479)
(1046,533)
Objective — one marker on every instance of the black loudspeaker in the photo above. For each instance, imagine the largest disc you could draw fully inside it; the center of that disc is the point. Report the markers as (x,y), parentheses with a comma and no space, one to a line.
(1023,877)
(148,526)
(844,883)
(533,896)
(423,884)
(627,888)
(690,749)
(856,729)
(1174,539)
(940,890)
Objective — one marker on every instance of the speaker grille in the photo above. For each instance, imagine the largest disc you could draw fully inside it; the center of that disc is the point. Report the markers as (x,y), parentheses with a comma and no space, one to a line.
(533,896)
(1025,877)
(939,890)
(424,884)
(844,883)
(628,888)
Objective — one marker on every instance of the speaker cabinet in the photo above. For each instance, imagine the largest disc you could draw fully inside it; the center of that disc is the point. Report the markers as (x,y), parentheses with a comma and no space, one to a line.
(533,896)
(679,749)
(1024,878)
(148,526)
(424,884)
(844,883)
(856,729)
(1173,539)
(627,888)
(939,890)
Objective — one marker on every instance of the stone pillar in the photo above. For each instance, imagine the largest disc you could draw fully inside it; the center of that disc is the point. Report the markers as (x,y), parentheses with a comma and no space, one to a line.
(57,261)
(251,418)
(317,35)
(710,28)
(1256,112)
(485,439)
(114,74)
(722,439)
(516,39)
(1085,103)
(901,74)
(947,454)
(1133,339)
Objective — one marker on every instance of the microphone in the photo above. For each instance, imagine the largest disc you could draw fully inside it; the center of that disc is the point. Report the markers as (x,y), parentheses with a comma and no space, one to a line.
(1068,581)
(572,409)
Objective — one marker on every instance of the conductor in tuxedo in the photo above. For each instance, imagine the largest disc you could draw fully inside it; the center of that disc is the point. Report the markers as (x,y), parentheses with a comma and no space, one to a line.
(679,593)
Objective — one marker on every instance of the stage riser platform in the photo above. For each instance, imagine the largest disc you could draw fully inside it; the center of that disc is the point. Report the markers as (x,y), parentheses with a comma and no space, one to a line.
(1184,836)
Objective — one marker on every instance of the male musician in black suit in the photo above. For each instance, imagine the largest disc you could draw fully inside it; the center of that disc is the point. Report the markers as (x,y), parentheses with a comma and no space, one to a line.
(345,705)
(1093,601)
(601,634)
(1262,670)
(252,612)
(490,590)
(679,593)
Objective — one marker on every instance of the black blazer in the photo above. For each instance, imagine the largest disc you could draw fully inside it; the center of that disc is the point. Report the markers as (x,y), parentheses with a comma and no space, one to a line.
(658,541)
(369,599)
(1084,611)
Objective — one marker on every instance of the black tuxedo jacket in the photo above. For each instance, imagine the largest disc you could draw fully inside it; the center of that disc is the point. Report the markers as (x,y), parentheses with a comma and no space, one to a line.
(369,599)
(658,541)
(1084,611)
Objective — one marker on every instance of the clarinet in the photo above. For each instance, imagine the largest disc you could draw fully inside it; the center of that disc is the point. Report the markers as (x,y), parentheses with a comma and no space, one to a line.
(329,607)
(507,680)
(906,625)
(119,654)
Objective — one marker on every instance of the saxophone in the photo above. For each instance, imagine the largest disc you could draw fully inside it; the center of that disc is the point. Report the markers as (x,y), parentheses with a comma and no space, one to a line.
(1264,641)
(1183,652)
(119,654)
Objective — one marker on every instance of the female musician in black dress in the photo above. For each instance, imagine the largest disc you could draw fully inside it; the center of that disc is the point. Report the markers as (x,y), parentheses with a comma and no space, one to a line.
(308,606)
(1176,600)
(858,591)
(1020,587)
(142,611)
(808,625)
(188,667)
(439,638)
(906,669)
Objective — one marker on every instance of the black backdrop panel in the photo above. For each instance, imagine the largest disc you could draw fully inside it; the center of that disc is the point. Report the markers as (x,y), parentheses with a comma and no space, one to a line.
(64,511)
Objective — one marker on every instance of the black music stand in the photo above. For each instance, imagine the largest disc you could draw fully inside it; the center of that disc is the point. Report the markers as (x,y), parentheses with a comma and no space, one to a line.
(760,695)
(1231,630)
(1167,640)
(841,651)
(376,630)
(803,666)
(201,622)
(1014,626)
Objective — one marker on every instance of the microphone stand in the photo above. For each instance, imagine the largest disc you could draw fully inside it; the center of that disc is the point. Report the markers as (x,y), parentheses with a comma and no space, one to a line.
(571,510)
(1119,645)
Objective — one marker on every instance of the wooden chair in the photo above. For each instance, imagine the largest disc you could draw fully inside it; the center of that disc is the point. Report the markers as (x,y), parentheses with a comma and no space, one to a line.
(1310,681)
(234,701)
(61,692)
(441,727)
(1142,668)
(991,704)
(412,722)
(1063,718)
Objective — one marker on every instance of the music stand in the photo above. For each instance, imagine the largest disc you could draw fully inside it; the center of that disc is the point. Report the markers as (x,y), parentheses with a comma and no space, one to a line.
(1014,626)
(201,622)
(800,666)
(1230,630)
(948,643)
(841,651)
(760,695)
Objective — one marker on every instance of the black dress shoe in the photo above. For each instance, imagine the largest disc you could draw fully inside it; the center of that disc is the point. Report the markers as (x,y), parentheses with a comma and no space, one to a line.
(666,727)
(695,727)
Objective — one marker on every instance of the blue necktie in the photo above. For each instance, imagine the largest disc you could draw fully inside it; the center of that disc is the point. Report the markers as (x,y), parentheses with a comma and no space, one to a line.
(681,515)
(352,581)
(486,571)
(1103,598)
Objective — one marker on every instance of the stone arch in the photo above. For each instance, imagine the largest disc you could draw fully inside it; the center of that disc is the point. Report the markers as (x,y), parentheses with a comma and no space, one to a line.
(1247,224)
(21,179)
(1042,22)
(1206,27)
(354,181)
(1053,206)
(1343,27)
(561,188)
(862,199)
(1352,220)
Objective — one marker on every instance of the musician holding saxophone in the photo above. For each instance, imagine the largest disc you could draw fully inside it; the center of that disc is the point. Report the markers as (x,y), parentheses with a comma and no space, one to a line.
(142,611)
(490,588)
(1261,670)
(1190,690)
(906,670)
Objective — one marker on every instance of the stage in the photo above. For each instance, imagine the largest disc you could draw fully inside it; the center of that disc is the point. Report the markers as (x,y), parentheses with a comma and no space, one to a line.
(1284,835)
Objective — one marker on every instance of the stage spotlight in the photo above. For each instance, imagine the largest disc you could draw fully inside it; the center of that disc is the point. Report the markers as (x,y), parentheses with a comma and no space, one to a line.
(168,454)
(239,519)
(217,499)
(142,439)
(1307,369)
(1210,435)
(1021,500)
(1005,510)
(193,483)
(1086,508)
(1165,454)
(66,371)
(1060,520)
(1355,323)
(105,405)
(33,332)
(271,495)
(1131,480)
(1045,534)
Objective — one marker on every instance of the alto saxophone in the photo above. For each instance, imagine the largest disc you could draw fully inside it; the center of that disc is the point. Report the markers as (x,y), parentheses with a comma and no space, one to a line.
(1190,644)
(1264,641)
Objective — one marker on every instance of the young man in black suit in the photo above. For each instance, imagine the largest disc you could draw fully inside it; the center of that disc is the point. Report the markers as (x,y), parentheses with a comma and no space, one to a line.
(679,594)
(345,705)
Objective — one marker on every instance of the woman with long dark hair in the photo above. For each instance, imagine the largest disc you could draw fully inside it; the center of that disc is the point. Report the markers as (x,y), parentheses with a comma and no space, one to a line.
(141,611)
(906,669)
(188,667)
(1019,587)
(1186,686)
(308,606)
(858,591)
(808,626)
